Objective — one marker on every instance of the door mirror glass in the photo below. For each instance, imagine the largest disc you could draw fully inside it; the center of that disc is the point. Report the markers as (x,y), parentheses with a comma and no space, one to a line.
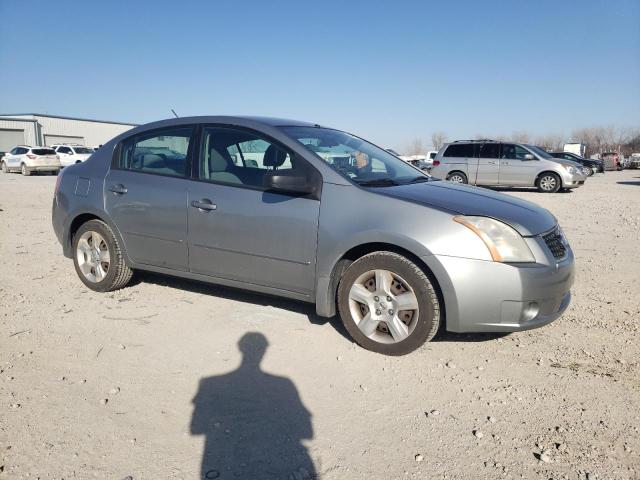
(528,156)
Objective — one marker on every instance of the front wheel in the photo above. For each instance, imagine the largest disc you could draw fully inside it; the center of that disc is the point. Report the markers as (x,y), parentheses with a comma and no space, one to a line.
(98,258)
(590,172)
(4,168)
(549,183)
(24,170)
(388,304)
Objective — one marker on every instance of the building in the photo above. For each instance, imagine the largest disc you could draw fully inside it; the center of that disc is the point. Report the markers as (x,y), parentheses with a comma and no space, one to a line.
(36,129)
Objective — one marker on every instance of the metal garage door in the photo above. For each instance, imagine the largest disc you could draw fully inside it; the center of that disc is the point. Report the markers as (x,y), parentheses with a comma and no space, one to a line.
(10,138)
(53,139)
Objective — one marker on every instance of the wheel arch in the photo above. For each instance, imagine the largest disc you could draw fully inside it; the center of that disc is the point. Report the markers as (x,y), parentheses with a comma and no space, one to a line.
(359,251)
(81,218)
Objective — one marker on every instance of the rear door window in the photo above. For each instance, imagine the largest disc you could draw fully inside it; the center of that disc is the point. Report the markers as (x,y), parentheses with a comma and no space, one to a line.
(489,150)
(163,152)
(464,150)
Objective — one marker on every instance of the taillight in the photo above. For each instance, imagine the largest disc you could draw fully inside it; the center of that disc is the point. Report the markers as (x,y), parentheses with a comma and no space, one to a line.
(32,157)
(436,163)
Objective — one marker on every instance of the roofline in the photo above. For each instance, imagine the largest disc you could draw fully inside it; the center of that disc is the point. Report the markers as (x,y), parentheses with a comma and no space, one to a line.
(11,119)
(67,118)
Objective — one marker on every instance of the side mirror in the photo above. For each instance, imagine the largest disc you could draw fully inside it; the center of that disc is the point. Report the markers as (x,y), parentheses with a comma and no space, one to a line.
(528,156)
(288,182)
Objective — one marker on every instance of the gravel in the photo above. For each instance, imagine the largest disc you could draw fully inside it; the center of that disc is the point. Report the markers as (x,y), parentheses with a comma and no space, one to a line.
(566,396)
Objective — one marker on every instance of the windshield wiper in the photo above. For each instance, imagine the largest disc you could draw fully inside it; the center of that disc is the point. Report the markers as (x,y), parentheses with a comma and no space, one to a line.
(379,182)
(420,179)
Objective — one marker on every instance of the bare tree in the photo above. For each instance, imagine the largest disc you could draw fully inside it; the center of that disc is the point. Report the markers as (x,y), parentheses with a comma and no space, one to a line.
(551,142)
(415,147)
(438,139)
(520,137)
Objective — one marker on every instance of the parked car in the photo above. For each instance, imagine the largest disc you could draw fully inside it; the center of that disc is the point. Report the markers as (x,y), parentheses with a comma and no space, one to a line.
(418,161)
(328,218)
(492,163)
(594,166)
(70,153)
(27,160)
(634,161)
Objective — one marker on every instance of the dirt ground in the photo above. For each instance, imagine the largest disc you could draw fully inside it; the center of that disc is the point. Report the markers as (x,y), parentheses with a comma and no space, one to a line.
(163,379)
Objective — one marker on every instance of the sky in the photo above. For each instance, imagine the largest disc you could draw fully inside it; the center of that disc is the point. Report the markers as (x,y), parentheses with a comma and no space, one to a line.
(388,71)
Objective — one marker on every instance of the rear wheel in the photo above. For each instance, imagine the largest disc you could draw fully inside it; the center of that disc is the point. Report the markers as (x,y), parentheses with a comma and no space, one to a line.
(388,304)
(98,258)
(590,171)
(457,177)
(549,182)
(24,170)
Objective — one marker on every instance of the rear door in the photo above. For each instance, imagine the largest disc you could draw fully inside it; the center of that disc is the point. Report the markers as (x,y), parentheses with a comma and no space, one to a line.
(240,231)
(145,195)
(515,168)
(488,164)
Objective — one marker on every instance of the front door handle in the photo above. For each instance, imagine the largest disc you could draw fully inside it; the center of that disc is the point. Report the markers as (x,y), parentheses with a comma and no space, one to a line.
(491,163)
(118,189)
(205,204)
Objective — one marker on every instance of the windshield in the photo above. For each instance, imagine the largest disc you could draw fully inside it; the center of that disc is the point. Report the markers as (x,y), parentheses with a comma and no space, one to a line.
(540,152)
(354,158)
(83,150)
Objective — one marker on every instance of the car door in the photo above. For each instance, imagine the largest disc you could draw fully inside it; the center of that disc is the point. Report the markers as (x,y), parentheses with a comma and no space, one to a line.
(488,164)
(145,195)
(518,166)
(240,231)
(65,155)
(10,158)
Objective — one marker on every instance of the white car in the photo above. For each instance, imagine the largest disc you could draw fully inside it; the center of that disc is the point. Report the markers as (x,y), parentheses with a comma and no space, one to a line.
(70,154)
(26,159)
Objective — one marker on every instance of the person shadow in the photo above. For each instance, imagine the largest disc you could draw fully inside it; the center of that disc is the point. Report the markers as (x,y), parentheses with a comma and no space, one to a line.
(253,422)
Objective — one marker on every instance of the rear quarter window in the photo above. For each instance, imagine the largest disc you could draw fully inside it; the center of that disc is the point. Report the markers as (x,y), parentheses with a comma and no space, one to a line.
(460,150)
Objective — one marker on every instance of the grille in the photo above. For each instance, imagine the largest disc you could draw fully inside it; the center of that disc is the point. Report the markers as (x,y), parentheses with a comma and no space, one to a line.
(555,242)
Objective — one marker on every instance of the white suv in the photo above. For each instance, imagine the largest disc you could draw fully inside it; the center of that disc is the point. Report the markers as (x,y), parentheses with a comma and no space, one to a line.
(26,159)
(70,154)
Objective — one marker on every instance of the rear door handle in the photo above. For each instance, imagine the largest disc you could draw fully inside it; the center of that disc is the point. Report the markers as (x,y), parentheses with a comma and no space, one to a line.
(205,204)
(118,189)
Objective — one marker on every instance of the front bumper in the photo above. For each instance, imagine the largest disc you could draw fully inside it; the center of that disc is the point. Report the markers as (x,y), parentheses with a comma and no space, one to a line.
(484,296)
(573,180)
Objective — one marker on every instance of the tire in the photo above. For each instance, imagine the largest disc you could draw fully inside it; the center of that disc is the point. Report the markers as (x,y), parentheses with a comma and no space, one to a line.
(457,177)
(590,172)
(95,245)
(24,170)
(549,182)
(5,169)
(371,328)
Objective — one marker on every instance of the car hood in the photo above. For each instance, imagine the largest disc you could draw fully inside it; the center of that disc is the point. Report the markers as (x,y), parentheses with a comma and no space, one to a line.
(527,218)
(563,161)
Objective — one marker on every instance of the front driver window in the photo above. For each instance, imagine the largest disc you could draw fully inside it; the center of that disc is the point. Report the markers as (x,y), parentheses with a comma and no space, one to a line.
(241,157)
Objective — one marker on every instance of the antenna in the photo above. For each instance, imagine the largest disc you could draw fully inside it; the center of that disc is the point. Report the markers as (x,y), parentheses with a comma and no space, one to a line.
(174,112)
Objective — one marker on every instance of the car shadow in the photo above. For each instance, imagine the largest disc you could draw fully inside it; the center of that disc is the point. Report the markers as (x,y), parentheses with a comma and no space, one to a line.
(445,336)
(253,421)
(631,182)
(523,189)
(245,296)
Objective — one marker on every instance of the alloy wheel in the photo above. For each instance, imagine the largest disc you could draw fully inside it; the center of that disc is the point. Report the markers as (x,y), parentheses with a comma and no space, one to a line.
(93,256)
(383,306)
(455,178)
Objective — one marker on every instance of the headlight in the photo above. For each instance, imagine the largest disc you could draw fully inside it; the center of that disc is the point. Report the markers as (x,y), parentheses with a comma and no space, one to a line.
(503,242)
(570,168)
